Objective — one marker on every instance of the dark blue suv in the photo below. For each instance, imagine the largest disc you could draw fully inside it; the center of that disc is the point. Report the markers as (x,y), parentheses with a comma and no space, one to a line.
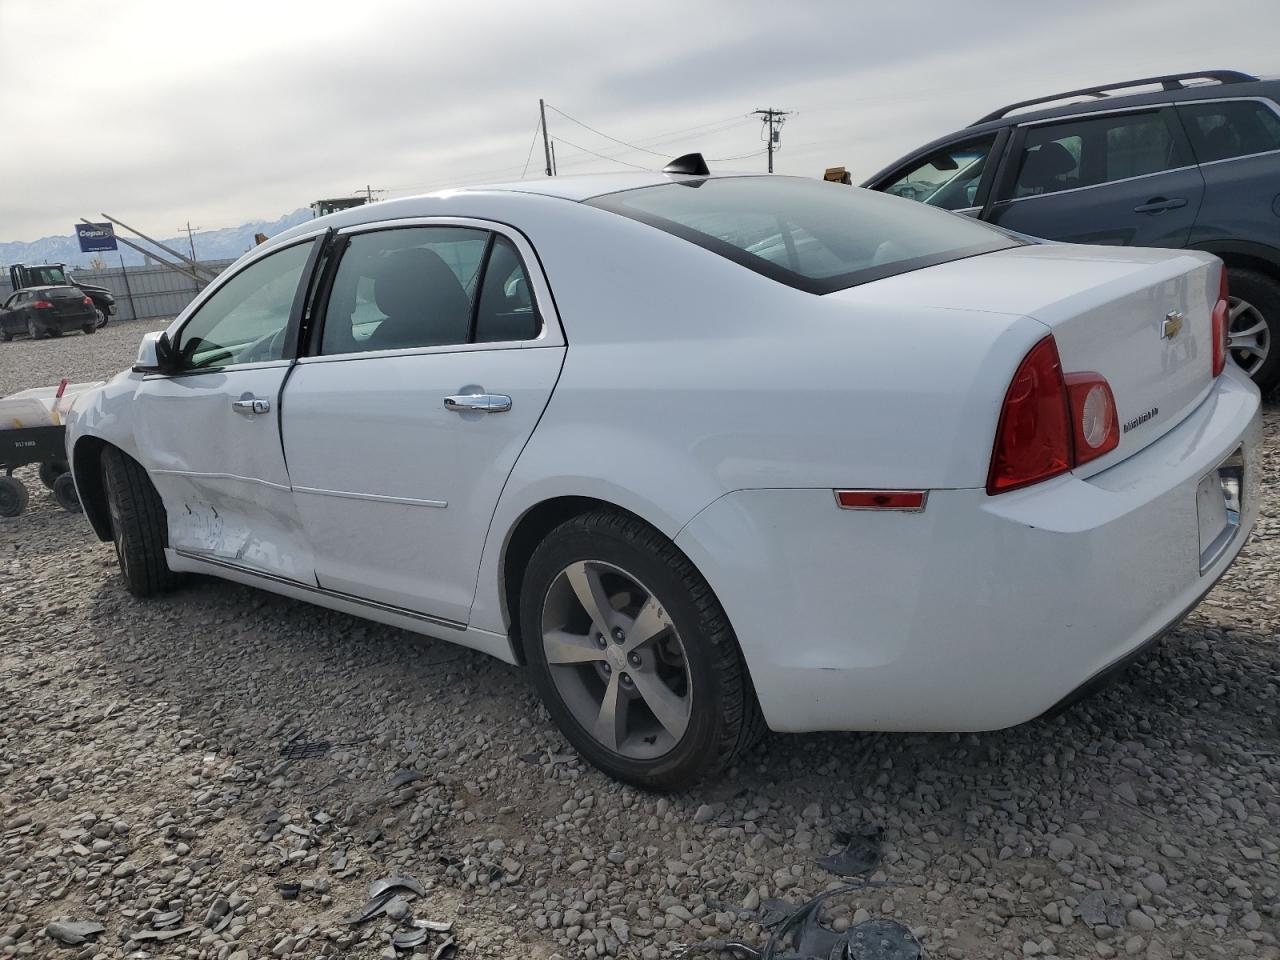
(1191,160)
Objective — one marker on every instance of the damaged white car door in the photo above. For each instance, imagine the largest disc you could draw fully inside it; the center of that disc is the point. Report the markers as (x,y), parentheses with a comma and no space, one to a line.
(209,433)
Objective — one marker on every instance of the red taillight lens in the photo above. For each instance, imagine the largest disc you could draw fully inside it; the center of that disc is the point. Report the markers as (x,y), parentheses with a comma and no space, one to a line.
(43,305)
(1033,439)
(88,302)
(1095,424)
(1221,326)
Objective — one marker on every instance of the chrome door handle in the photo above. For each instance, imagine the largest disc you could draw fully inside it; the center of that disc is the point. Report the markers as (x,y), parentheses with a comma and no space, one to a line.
(249,406)
(478,403)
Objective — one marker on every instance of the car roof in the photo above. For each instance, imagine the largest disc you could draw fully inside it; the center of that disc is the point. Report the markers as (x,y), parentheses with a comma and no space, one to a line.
(1084,103)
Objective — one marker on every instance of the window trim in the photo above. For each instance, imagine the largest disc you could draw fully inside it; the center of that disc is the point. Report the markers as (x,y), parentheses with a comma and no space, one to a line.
(1265,101)
(551,334)
(174,330)
(1013,159)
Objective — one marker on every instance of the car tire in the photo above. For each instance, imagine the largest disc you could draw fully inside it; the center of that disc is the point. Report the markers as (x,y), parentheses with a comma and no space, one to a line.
(64,491)
(139,525)
(6,335)
(90,328)
(32,330)
(51,471)
(1255,301)
(692,667)
(102,316)
(13,497)
(54,332)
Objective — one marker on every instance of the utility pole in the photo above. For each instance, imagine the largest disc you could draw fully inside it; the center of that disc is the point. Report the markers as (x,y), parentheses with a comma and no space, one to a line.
(368,193)
(553,158)
(546,141)
(192,242)
(773,119)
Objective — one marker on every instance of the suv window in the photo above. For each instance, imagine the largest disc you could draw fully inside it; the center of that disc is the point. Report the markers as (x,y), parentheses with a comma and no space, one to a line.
(245,319)
(809,234)
(1089,151)
(1223,129)
(506,310)
(404,287)
(948,178)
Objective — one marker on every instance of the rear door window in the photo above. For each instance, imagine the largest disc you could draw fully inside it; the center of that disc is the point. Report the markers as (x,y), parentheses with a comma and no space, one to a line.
(948,178)
(808,234)
(1223,129)
(1090,151)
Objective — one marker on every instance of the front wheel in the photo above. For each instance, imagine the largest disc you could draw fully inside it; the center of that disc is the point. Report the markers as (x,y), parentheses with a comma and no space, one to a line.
(139,525)
(1254,326)
(632,654)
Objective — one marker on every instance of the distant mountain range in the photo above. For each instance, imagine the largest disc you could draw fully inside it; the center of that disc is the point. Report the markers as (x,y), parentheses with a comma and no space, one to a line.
(224,244)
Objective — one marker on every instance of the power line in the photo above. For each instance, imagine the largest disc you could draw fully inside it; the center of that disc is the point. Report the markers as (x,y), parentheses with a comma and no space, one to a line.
(600,155)
(532,144)
(605,135)
(741,156)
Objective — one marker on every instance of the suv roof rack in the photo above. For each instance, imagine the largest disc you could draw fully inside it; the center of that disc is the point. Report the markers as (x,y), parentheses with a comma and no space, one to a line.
(1172,81)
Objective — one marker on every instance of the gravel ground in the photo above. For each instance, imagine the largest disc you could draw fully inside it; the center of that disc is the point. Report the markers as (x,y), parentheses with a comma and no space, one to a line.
(167,767)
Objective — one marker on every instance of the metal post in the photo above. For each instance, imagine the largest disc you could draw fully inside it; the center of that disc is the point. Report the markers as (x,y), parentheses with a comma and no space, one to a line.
(133,309)
(181,256)
(192,241)
(546,141)
(553,158)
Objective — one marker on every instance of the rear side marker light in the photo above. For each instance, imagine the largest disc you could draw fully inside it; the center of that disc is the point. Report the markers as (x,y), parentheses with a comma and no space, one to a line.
(1221,325)
(910,500)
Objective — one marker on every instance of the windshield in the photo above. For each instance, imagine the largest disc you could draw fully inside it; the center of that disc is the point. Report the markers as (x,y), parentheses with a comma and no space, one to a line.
(808,234)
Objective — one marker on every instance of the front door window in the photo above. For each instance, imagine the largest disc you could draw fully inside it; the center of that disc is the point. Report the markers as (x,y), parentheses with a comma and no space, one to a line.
(948,178)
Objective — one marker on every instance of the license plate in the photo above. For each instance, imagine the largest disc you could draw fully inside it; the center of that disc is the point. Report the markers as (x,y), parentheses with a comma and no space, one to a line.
(1219,498)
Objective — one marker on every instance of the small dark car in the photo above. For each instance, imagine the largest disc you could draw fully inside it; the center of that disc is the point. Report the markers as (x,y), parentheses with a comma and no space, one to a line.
(40,312)
(1191,160)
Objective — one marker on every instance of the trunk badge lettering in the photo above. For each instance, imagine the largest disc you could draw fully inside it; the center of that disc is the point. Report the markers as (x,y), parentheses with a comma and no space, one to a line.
(1140,419)
(1172,325)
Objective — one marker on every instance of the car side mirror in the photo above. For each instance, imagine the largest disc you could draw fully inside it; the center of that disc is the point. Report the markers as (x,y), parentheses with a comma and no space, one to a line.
(155,354)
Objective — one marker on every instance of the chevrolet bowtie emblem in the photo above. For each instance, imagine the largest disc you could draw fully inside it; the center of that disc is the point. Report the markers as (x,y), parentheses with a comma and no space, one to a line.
(1172,325)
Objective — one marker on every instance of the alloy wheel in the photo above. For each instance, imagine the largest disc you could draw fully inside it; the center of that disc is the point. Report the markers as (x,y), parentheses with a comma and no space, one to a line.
(616,660)
(1248,337)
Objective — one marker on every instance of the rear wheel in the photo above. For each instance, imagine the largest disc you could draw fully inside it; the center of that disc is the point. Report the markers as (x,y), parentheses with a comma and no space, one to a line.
(32,330)
(6,335)
(64,491)
(13,497)
(90,328)
(633,655)
(1254,326)
(138,525)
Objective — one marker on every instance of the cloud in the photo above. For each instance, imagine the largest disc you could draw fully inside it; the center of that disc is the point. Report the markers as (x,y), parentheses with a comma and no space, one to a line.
(157,112)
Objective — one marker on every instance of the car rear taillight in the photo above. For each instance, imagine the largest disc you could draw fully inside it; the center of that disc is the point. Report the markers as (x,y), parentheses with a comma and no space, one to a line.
(1094,422)
(87,302)
(43,305)
(1050,421)
(1033,439)
(1221,325)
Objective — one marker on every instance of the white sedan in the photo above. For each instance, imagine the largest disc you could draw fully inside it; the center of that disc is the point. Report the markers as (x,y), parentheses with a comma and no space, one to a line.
(706,453)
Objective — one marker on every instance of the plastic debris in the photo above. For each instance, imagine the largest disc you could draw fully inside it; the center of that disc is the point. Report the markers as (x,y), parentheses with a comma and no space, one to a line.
(408,939)
(161,934)
(859,855)
(381,892)
(445,950)
(73,932)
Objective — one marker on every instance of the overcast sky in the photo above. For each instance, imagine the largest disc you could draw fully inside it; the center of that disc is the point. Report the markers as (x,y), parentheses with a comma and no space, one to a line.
(156,112)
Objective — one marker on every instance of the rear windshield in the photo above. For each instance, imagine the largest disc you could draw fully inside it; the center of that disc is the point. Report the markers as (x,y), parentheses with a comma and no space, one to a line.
(809,234)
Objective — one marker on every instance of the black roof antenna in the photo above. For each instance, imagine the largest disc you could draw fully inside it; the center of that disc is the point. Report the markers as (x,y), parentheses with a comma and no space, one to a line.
(691,164)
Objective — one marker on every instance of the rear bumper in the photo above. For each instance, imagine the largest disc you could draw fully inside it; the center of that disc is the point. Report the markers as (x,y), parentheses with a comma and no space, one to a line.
(980,612)
(65,323)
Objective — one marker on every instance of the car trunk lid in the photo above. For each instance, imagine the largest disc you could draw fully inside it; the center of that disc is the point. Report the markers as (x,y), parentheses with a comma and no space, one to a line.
(1140,318)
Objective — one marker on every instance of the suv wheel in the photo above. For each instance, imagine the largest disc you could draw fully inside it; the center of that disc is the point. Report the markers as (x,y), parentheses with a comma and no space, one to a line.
(138,525)
(633,655)
(1255,325)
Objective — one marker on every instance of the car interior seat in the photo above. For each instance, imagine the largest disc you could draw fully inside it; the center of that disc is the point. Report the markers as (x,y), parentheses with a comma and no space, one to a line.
(1043,167)
(424,303)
